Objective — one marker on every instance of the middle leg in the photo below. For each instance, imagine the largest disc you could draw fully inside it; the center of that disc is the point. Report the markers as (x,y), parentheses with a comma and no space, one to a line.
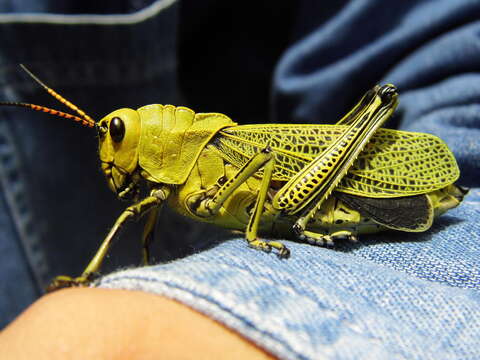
(211,203)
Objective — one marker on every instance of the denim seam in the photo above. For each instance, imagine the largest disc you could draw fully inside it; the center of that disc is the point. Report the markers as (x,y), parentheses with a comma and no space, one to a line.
(89,19)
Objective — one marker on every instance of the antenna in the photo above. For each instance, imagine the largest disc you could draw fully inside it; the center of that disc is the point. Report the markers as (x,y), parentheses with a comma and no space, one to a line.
(83,118)
(48,110)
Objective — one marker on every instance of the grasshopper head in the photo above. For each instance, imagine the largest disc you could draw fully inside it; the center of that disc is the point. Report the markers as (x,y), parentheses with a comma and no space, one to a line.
(119,134)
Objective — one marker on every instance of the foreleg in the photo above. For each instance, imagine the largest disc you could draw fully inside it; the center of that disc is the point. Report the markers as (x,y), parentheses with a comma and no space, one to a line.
(133,212)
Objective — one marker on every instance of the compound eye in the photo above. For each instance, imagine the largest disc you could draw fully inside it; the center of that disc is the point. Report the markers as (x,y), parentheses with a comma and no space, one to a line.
(117,129)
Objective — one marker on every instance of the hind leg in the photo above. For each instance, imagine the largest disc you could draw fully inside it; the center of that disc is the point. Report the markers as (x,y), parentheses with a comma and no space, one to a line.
(320,239)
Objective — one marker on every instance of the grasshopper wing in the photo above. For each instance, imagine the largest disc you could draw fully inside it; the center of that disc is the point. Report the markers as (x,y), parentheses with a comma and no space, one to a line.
(409,213)
(393,164)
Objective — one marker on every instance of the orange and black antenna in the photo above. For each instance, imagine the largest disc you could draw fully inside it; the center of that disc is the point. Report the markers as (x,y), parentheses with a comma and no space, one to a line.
(84,119)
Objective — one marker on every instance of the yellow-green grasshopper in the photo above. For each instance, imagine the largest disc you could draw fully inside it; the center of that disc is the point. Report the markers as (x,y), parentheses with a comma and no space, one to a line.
(318,183)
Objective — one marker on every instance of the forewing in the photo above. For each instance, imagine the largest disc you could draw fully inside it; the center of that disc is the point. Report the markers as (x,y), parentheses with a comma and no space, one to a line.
(394,163)
(294,147)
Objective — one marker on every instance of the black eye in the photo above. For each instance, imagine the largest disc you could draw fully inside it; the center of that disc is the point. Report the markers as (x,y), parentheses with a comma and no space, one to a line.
(117,129)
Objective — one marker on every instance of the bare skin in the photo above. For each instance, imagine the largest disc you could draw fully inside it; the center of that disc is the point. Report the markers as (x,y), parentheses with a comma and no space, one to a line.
(117,324)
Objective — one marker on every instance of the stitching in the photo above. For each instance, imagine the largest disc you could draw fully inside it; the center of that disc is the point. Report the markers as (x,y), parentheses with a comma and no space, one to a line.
(90,19)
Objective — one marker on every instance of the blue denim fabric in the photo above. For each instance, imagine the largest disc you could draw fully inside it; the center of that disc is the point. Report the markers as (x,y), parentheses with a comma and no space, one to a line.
(55,205)
(392,295)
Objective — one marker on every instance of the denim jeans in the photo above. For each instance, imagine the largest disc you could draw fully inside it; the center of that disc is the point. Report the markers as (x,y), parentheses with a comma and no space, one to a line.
(392,295)
(55,205)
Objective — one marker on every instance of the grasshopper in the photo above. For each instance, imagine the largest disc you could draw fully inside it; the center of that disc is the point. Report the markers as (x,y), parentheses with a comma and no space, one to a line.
(316,183)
